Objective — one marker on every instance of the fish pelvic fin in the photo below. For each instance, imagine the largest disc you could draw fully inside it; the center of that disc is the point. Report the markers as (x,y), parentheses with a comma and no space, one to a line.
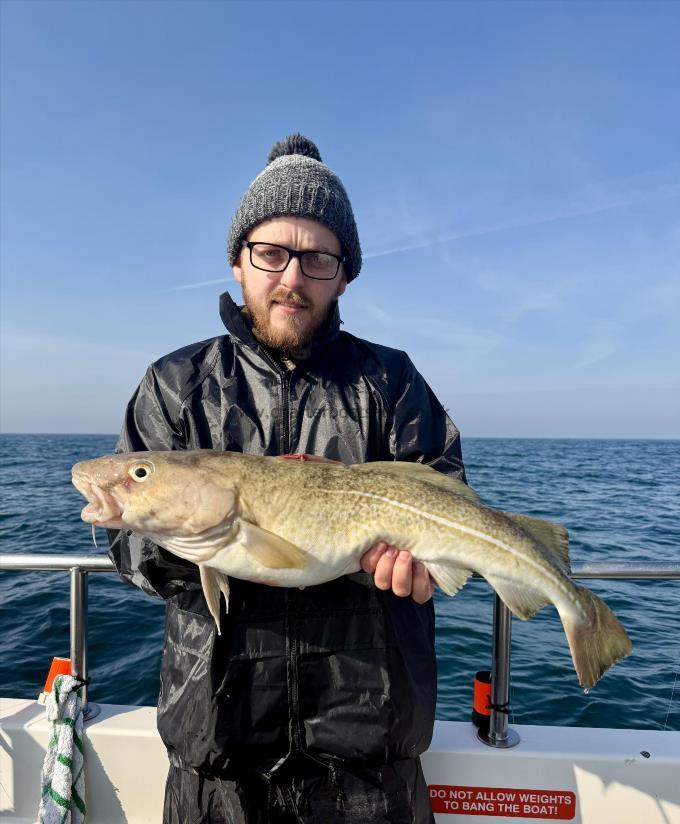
(552,536)
(421,472)
(521,600)
(595,643)
(449,579)
(214,583)
(270,550)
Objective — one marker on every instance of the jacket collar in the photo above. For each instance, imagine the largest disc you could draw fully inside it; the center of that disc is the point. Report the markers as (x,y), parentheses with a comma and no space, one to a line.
(238,326)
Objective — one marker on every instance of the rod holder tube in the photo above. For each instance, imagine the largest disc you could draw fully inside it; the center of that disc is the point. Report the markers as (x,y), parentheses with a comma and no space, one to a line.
(500,735)
(79,629)
(500,669)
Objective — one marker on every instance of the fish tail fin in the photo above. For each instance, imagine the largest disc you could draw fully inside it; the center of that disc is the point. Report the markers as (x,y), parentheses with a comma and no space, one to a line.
(596,641)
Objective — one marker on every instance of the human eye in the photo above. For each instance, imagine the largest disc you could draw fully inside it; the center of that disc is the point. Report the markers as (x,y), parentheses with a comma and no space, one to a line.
(270,255)
(320,261)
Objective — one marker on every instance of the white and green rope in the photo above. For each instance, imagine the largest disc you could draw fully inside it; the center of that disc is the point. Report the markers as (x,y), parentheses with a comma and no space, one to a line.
(63,778)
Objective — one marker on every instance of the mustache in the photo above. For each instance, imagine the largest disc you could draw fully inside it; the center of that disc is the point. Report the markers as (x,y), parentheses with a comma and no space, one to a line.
(283,295)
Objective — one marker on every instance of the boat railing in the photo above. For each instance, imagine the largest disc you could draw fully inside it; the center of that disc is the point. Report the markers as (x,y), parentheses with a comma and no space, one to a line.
(499,734)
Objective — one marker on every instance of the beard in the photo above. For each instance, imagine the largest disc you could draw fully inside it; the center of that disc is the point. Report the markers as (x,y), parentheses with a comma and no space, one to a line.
(294,334)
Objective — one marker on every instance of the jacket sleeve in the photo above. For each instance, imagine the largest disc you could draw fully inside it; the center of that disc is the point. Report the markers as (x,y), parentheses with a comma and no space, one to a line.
(149,425)
(420,429)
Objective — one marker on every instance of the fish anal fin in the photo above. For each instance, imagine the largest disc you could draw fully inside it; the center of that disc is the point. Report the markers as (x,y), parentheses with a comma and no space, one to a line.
(448,578)
(421,472)
(214,583)
(521,600)
(552,536)
(269,549)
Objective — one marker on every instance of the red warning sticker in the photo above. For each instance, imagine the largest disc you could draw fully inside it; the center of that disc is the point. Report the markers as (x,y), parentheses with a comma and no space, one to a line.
(508,802)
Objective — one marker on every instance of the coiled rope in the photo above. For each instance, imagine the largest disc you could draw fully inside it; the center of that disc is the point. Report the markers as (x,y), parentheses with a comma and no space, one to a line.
(63,778)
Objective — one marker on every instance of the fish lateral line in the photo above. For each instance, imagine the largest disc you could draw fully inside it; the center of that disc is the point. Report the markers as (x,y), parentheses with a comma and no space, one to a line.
(546,571)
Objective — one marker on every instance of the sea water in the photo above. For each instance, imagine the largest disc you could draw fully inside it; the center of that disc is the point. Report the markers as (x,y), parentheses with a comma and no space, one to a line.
(620,500)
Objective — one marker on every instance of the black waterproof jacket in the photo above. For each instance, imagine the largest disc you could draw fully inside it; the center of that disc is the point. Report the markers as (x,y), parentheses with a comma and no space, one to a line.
(340,670)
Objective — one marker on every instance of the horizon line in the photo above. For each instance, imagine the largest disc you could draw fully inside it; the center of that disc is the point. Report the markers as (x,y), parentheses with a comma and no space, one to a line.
(463,437)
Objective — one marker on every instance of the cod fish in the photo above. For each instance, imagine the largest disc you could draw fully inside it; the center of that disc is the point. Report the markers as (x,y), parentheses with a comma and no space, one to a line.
(293,523)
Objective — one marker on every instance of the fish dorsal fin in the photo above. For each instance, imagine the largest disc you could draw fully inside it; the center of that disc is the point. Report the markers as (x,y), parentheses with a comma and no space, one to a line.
(214,583)
(269,549)
(553,536)
(422,472)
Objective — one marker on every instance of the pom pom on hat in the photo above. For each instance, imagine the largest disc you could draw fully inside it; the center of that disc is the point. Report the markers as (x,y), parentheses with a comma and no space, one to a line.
(294,144)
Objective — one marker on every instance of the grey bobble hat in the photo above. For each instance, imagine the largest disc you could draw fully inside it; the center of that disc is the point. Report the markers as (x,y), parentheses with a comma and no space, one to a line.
(296,182)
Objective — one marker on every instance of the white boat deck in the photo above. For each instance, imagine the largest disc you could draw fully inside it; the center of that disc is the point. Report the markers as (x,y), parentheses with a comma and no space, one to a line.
(555,773)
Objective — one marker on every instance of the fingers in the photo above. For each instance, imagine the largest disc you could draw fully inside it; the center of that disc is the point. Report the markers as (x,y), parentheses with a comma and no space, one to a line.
(385,568)
(369,560)
(402,574)
(395,569)
(423,585)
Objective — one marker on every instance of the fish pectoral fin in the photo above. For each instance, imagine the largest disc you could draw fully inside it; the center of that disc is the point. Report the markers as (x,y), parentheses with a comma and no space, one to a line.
(215,505)
(521,600)
(553,536)
(421,472)
(269,549)
(214,583)
(448,578)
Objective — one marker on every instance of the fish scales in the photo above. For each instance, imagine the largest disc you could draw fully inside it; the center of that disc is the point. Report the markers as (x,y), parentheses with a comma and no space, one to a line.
(373,509)
(300,523)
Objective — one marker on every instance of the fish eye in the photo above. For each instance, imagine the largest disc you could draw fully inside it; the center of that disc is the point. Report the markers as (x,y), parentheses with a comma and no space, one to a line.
(140,472)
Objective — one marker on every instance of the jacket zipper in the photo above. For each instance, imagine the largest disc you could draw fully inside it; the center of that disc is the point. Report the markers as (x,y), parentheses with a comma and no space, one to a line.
(285,405)
(296,737)
(285,401)
(295,734)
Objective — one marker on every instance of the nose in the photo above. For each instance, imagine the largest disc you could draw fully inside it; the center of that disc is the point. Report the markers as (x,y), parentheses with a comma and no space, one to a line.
(292,277)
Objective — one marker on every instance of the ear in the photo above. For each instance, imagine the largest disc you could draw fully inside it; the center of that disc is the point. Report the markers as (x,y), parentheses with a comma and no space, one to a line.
(238,272)
(343,283)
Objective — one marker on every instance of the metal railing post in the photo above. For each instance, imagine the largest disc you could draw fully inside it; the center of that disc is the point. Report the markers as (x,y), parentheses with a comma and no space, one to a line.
(500,735)
(79,581)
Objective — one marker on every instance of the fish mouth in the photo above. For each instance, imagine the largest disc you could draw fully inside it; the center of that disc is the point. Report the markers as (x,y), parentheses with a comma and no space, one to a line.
(102,508)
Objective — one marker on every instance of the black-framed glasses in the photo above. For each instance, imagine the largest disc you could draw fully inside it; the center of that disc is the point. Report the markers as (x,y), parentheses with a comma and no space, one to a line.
(270,257)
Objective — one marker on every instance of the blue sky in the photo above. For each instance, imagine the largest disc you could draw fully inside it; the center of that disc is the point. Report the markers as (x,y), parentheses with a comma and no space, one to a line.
(514,169)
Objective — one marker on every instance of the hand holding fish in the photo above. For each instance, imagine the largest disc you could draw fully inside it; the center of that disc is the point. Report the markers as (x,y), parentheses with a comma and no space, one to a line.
(395,569)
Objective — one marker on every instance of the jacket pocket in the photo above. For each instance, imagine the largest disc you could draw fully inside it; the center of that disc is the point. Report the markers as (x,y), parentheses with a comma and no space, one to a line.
(345,696)
(368,673)
(185,707)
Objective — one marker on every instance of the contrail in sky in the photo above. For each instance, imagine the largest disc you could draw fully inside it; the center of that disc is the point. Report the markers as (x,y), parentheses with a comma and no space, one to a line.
(196,285)
(663,192)
(667,191)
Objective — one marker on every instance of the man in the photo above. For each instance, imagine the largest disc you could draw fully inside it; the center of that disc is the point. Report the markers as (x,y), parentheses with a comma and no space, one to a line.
(312,705)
